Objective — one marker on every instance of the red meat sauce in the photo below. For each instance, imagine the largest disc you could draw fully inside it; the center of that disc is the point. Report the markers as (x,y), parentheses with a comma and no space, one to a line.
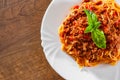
(80,45)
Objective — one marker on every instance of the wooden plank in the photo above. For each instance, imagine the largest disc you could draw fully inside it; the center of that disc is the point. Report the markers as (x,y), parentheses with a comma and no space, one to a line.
(21,55)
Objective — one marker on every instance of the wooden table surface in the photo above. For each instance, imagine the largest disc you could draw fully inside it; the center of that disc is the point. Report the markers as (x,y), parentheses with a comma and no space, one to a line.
(21,55)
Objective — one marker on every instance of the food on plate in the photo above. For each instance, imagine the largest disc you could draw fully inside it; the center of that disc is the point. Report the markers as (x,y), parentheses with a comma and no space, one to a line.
(91,33)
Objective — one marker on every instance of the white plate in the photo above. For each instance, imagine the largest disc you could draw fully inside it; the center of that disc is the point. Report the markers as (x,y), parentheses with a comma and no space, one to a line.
(63,64)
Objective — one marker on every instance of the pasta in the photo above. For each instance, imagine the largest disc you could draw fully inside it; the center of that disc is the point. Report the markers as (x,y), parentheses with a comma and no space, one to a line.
(80,45)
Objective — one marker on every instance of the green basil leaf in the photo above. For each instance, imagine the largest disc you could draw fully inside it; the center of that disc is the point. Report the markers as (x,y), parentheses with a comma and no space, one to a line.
(94,17)
(97,35)
(97,25)
(88,29)
(99,38)
(89,16)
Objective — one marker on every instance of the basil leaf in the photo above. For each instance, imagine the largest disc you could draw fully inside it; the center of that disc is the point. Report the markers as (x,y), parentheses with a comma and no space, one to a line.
(96,25)
(94,17)
(89,17)
(88,29)
(99,38)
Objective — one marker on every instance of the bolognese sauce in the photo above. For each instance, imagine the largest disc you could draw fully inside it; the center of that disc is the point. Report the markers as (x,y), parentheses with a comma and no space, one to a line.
(79,45)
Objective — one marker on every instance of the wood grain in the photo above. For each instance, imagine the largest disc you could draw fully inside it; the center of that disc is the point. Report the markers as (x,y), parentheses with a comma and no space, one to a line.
(21,55)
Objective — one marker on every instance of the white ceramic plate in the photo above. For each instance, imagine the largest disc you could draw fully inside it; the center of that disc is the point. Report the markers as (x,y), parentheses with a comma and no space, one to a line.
(63,64)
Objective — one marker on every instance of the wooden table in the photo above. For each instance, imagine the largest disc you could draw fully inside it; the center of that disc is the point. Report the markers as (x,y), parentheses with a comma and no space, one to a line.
(21,55)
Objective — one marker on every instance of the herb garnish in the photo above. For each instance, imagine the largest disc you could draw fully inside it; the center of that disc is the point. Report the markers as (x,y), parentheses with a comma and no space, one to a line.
(97,35)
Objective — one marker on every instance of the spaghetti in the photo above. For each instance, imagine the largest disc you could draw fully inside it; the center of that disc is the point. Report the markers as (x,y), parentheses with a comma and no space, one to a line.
(80,45)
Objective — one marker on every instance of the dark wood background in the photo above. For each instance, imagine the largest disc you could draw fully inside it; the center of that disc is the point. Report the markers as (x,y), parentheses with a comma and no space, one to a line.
(21,55)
